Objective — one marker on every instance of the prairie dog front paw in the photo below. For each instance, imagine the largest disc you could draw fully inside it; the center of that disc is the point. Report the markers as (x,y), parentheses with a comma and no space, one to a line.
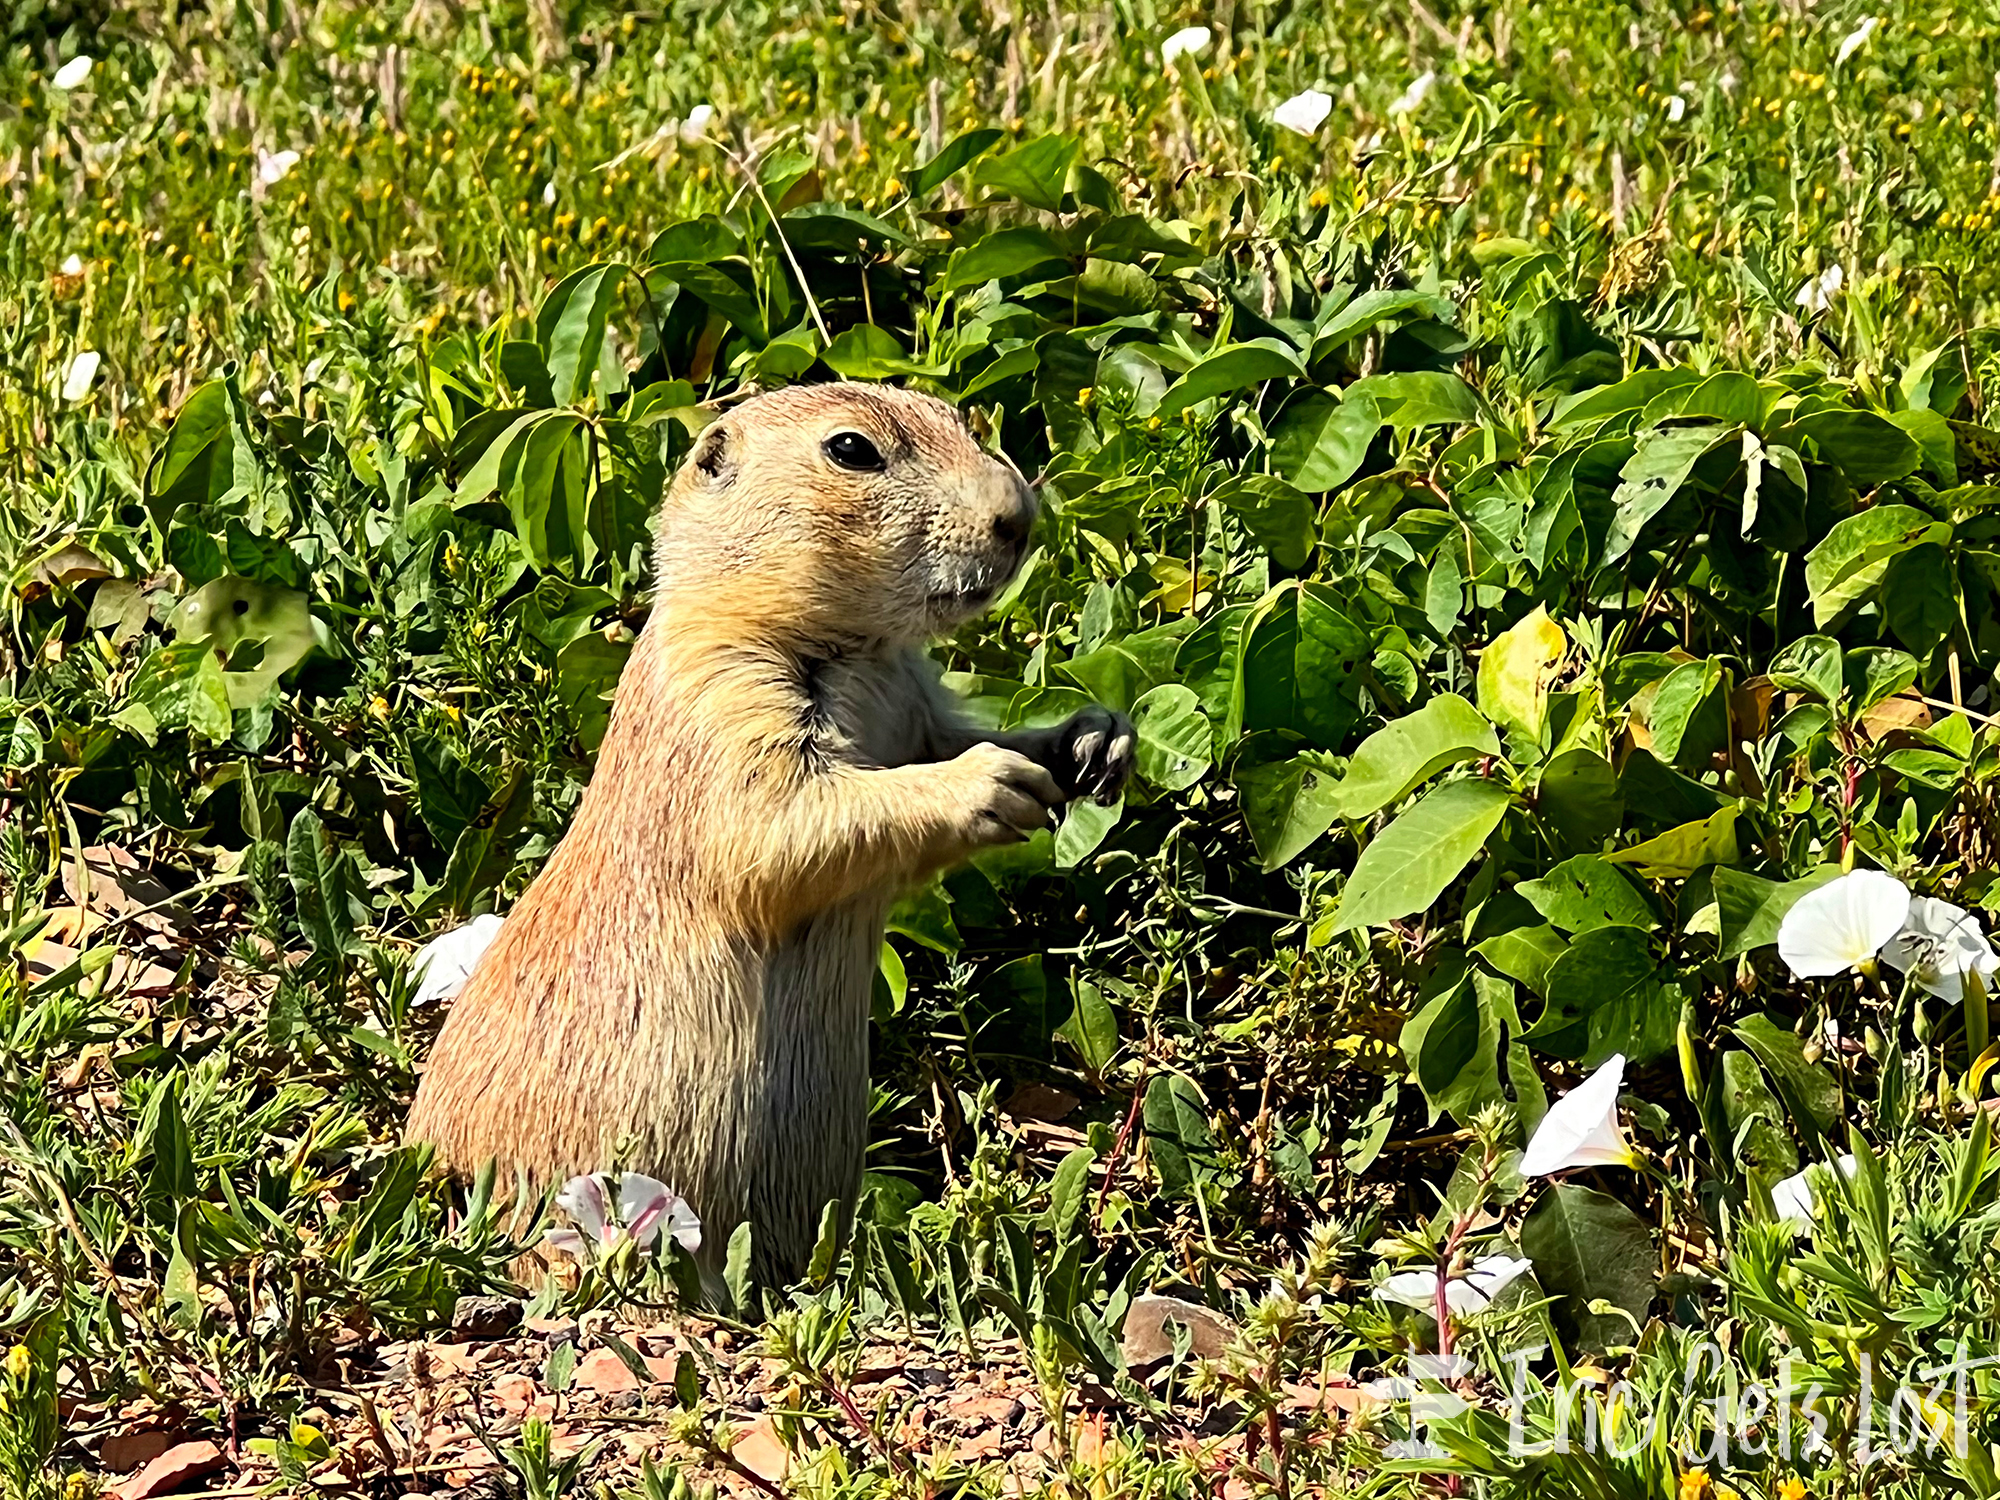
(1004,797)
(1092,753)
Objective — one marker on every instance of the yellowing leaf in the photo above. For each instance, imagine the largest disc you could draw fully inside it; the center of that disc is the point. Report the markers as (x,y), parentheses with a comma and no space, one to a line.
(1683,850)
(1515,671)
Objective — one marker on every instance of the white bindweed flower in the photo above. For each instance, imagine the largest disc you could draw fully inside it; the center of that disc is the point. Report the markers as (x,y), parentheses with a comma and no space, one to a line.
(273,165)
(1677,107)
(1728,82)
(694,129)
(72,73)
(72,265)
(549,193)
(1855,39)
(1581,1128)
(1939,945)
(644,1208)
(1843,924)
(442,965)
(1816,296)
(1464,1295)
(1303,114)
(1420,87)
(1793,1198)
(1189,41)
(80,375)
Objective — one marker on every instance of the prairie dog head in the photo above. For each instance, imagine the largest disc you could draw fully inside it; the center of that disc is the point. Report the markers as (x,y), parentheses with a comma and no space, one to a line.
(847,510)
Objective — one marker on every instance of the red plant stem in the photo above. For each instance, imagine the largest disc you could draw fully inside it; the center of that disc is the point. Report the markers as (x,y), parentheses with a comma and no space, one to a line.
(1118,1148)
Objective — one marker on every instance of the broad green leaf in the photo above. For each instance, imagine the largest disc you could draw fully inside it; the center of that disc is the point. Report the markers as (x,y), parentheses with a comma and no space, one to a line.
(1005,252)
(1404,753)
(1755,1118)
(1034,173)
(1085,825)
(1633,393)
(323,880)
(1585,893)
(1868,449)
(1301,665)
(1515,670)
(1176,742)
(1810,664)
(1319,440)
(1749,907)
(1278,517)
(1232,369)
(1092,1027)
(1920,597)
(570,327)
(865,352)
(1689,718)
(1286,806)
(1588,1247)
(1409,863)
(1452,1047)
(1525,954)
(1654,474)
(1207,662)
(196,462)
(1578,795)
(1418,398)
(1371,308)
(183,687)
(1851,560)
(1069,1189)
(960,152)
(1177,1134)
(1605,996)
(1811,1093)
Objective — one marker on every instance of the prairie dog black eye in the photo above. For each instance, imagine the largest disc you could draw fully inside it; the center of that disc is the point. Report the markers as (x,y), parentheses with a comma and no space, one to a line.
(850,450)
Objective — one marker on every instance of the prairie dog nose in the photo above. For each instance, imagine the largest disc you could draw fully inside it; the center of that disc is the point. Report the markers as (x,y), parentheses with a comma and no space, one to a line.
(1011,505)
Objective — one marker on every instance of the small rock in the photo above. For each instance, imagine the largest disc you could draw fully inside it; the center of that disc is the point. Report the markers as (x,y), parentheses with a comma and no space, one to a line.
(514,1393)
(604,1372)
(553,1331)
(622,1401)
(485,1317)
(1038,1101)
(171,1470)
(760,1451)
(982,1410)
(124,1452)
(929,1378)
(1149,1333)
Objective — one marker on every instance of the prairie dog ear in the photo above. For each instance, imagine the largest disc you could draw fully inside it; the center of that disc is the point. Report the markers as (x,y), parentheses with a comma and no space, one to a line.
(714,456)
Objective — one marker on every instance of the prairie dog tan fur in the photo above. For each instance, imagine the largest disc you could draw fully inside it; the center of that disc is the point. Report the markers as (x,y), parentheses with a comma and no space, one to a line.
(684,990)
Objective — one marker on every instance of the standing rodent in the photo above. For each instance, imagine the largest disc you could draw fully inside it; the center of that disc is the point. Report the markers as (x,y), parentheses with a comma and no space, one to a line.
(684,990)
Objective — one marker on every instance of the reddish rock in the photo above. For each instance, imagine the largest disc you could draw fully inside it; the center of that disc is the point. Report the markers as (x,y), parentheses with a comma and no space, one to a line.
(981,1409)
(603,1371)
(514,1393)
(760,1450)
(170,1470)
(126,1451)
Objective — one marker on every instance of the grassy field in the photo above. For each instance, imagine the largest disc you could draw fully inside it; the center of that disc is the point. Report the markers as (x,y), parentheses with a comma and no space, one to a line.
(1539,507)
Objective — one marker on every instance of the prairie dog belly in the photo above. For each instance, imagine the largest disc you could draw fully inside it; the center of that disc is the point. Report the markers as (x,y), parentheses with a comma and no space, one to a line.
(818,985)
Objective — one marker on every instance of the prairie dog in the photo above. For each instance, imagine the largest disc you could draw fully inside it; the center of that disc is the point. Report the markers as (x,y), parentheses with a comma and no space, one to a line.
(684,990)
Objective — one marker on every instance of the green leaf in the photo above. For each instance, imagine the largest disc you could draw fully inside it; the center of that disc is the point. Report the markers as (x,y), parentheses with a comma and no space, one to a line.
(256,631)
(1810,664)
(1033,173)
(1085,825)
(1754,1118)
(1278,517)
(1092,1027)
(1579,796)
(1588,1247)
(736,1270)
(1452,1047)
(1069,1187)
(322,879)
(1850,561)
(1005,252)
(1920,597)
(1654,474)
(1176,743)
(1683,850)
(865,352)
(1371,308)
(960,152)
(1750,907)
(1605,996)
(570,326)
(1585,893)
(1810,1092)
(1208,659)
(1689,718)
(1286,805)
(1319,440)
(1525,954)
(196,462)
(1301,664)
(1403,754)
(1869,449)
(1232,369)
(1177,1134)
(183,687)
(1410,862)
(1418,398)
